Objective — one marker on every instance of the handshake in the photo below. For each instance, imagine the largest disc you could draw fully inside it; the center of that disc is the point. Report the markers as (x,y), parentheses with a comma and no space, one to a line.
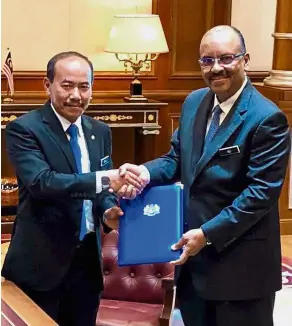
(129,180)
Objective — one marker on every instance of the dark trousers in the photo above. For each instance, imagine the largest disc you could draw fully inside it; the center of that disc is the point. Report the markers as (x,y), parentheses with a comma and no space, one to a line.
(75,301)
(197,311)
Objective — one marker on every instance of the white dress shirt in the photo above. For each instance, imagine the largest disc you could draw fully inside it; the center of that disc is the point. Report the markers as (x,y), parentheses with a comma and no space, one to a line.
(85,165)
(225,106)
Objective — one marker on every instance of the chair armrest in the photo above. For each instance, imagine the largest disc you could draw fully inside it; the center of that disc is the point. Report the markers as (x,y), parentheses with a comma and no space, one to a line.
(168,300)
(167,283)
(16,306)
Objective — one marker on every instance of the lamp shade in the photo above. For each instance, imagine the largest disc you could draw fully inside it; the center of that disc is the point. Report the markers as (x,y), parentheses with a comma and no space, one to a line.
(137,34)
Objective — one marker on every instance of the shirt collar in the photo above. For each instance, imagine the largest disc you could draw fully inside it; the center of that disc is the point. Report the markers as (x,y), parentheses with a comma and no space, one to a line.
(65,123)
(227,105)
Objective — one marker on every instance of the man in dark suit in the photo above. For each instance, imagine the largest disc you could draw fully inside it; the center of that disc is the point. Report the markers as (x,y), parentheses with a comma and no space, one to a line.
(62,161)
(230,151)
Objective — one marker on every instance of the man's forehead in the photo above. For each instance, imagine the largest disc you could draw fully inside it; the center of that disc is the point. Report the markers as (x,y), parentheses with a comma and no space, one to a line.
(72,68)
(221,38)
(71,62)
(223,35)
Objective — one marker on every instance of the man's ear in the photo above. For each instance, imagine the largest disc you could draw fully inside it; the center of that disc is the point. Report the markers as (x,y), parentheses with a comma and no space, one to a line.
(246,61)
(47,86)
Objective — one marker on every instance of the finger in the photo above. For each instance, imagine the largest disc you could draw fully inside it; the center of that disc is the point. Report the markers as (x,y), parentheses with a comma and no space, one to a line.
(134,194)
(113,213)
(182,259)
(133,180)
(121,192)
(179,244)
(113,224)
(128,192)
(134,169)
(123,169)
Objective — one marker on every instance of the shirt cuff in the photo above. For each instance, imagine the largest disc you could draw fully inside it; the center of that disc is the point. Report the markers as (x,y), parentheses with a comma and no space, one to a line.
(99,174)
(145,173)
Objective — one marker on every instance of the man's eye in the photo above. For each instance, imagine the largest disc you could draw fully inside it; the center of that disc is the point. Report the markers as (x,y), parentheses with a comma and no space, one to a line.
(226,59)
(84,87)
(66,86)
(207,61)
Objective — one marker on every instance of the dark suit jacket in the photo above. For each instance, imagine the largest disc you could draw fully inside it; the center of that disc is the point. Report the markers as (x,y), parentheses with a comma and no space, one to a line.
(51,194)
(233,197)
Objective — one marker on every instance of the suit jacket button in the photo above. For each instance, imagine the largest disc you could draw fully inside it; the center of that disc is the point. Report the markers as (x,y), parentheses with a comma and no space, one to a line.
(77,233)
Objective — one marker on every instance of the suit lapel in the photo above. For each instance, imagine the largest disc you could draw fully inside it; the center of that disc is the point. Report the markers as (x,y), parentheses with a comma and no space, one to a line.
(93,149)
(198,128)
(56,131)
(230,124)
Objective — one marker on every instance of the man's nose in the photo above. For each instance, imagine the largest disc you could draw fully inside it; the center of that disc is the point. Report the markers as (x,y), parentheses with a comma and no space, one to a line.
(75,94)
(216,67)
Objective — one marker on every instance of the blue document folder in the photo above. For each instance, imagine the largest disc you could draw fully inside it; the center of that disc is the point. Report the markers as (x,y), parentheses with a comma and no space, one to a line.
(151,224)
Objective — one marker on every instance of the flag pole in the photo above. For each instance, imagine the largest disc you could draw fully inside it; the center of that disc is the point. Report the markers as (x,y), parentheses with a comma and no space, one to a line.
(9,98)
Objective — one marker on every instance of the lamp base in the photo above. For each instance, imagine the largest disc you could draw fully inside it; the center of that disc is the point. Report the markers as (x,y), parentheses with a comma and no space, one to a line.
(136,99)
(136,92)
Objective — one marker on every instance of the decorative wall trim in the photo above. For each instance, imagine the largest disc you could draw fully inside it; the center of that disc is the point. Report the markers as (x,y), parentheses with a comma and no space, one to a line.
(39,75)
(282,36)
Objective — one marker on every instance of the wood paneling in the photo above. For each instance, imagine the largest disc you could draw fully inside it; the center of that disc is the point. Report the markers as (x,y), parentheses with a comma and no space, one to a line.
(283,99)
(189,23)
(173,76)
(195,20)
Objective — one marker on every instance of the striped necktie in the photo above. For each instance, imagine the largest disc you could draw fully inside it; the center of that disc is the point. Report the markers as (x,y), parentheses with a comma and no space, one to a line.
(214,125)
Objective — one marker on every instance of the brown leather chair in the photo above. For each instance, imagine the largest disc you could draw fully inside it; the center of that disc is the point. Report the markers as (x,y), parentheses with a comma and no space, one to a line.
(135,295)
(139,295)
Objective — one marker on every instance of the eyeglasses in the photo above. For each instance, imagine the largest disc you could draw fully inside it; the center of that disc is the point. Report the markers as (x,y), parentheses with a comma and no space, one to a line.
(223,60)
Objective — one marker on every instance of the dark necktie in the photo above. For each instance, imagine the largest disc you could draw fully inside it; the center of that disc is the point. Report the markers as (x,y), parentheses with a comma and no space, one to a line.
(214,125)
(73,132)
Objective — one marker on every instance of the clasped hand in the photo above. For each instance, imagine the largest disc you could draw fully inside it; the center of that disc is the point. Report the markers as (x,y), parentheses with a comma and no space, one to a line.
(128,181)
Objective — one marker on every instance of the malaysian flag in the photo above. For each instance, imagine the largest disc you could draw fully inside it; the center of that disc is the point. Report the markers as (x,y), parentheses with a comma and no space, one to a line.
(8,72)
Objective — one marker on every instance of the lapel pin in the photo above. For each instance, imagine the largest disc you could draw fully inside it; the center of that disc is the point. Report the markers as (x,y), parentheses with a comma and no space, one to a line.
(92,137)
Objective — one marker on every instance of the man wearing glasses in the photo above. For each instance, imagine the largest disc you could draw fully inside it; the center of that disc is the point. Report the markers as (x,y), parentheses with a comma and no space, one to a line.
(230,151)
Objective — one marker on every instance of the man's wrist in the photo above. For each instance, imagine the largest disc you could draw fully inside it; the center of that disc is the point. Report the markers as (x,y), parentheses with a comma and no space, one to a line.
(208,242)
(105,182)
(145,173)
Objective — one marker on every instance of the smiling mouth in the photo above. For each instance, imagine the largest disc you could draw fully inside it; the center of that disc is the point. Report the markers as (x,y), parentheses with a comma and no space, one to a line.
(218,81)
(218,78)
(73,106)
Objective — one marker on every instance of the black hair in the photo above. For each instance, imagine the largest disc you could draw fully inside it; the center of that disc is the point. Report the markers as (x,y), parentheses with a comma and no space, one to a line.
(52,62)
(241,39)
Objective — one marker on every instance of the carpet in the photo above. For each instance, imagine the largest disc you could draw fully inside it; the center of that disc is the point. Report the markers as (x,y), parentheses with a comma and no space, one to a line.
(283,302)
(287,272)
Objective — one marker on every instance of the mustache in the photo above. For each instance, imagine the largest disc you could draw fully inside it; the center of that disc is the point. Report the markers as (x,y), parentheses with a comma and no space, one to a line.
(217,76)
(73,104)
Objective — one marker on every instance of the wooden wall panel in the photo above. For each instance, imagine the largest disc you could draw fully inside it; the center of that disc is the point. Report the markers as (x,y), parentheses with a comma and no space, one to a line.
(187,22)
(283,99)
